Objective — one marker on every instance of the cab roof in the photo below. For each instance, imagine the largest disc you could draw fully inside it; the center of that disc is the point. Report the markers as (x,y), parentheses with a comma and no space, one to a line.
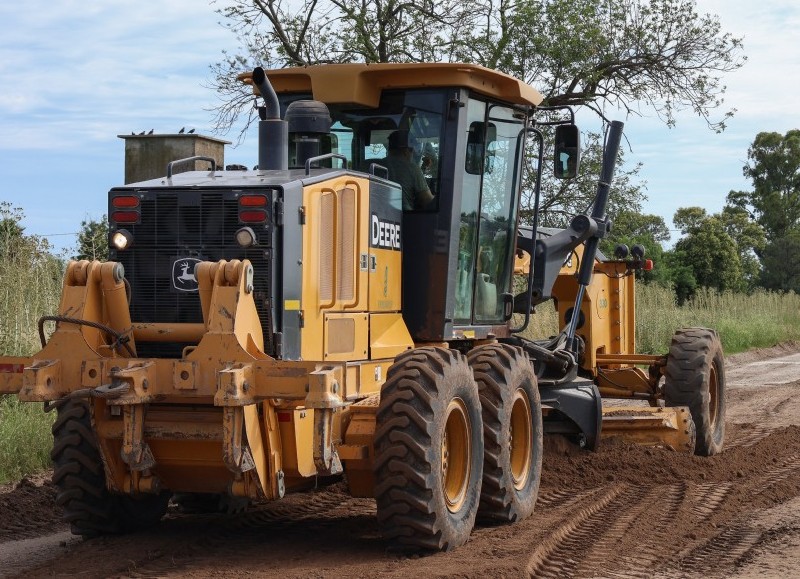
(362,84)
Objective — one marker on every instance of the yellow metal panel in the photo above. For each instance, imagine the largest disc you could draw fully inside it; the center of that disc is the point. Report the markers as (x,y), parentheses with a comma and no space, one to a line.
(372,376)
(352,379)
(335,236)
(346,337)
(385,275)
(297,437)
(388,336)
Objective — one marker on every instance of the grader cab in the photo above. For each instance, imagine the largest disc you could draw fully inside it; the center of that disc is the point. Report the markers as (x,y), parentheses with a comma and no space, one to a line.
(255,332)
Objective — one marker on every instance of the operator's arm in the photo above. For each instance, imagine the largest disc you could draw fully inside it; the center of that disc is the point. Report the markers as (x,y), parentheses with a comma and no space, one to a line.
(424,197)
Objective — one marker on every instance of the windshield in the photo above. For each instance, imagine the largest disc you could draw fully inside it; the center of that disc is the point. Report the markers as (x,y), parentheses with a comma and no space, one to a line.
(363,136)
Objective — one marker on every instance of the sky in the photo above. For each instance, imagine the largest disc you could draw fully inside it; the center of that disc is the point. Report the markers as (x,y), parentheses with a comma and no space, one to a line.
(75,74)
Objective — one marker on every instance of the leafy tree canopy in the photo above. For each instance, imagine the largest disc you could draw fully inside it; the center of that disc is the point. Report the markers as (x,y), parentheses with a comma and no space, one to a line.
(661,54)
(563,198)
(712,255)
(781,263)
(774,168)
(93,240)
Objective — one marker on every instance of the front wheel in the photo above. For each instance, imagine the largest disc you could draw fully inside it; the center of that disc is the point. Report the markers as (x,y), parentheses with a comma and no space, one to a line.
(89,507)
(512,431)
(428,451)
(695,377)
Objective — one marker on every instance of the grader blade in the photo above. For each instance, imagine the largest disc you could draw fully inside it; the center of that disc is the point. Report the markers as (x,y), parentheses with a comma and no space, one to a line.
(668,427)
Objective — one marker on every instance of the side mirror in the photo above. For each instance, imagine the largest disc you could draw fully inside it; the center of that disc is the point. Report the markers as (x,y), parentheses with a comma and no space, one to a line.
(567,151)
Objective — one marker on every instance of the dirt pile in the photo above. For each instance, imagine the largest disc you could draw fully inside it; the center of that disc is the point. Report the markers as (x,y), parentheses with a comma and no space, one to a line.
(28,508)
(566,466)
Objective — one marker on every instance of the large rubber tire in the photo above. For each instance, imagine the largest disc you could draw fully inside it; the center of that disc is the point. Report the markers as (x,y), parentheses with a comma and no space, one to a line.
(512,432)
(428,451)
(695,377)
(89,508)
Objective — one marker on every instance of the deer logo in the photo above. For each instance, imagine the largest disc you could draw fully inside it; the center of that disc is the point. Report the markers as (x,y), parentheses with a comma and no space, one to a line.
(183,277)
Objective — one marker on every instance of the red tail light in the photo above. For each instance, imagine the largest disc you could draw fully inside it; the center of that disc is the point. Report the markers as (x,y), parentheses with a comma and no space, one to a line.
(252,208)
(648,264)
(125,202)
(125,217)
(253,216)
(253,201)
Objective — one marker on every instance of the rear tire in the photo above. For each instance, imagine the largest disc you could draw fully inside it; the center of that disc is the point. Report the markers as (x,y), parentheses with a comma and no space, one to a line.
(512,432)
(89,507)
(695,377)
(428,451)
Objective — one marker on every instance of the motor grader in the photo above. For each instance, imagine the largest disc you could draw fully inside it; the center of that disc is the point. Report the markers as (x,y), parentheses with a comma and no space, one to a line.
(257,332)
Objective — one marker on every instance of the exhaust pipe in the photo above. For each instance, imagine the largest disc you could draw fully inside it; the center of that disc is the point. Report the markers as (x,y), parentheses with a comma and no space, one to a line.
(273,132)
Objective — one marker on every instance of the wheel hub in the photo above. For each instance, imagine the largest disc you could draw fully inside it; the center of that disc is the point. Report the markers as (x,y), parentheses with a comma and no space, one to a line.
(520,439)
(456,454)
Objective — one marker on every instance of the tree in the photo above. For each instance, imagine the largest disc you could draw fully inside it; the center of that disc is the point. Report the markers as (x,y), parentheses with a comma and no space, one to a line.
(11,231)
(93,240)
(774,168)
(712,255)
(688,218)
(563,198)
(781,260)
(750,241)
(661,54)
(680,274)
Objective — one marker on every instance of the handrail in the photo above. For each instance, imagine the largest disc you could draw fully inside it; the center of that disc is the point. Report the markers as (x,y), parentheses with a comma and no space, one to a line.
(339,156)
(171,164)
(374,166)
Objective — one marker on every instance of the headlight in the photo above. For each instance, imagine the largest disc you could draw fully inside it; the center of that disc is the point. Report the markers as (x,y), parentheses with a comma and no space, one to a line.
(122,239)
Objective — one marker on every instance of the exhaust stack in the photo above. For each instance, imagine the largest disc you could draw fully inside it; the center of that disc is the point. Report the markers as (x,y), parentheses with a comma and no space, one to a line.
(273,132)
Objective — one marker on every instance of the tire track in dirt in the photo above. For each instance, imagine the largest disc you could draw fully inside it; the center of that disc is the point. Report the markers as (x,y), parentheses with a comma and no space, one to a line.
(748,437)
(323,510)
(780,473)
(708,497)
(720,553)
(555,557)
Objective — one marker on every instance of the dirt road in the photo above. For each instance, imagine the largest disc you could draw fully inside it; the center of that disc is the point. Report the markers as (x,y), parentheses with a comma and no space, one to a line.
(624,511)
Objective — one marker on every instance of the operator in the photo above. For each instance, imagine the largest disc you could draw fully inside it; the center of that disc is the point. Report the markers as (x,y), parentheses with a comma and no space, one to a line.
(402,169)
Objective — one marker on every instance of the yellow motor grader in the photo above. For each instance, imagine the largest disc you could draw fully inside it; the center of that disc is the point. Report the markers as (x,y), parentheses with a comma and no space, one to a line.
(258,331)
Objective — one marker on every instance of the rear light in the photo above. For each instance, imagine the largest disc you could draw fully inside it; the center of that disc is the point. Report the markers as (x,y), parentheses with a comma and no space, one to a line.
(253,216)
(125,202)
(253,201)
(125,217)
(125,209)
(648,265)
(253,208)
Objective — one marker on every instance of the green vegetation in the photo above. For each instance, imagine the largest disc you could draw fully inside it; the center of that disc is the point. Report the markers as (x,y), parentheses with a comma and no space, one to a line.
(30,287)
(24,438)
(743,321)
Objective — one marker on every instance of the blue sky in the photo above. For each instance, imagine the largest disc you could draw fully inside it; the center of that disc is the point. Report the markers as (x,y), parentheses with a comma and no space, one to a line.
(75,74)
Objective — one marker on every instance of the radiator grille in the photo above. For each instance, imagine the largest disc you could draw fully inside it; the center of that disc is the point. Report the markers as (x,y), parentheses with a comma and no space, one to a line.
(347,245)
(327,237)
(189,224)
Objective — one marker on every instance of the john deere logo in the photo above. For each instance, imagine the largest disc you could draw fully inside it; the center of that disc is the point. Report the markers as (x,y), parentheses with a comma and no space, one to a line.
(183,278)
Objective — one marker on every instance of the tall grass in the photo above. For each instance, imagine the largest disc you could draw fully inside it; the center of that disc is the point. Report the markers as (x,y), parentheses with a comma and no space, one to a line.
(30,287)
(743,321)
